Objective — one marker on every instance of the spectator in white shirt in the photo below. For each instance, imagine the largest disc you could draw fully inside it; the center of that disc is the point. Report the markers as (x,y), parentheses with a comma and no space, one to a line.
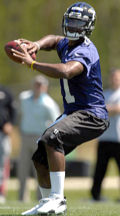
(38,111)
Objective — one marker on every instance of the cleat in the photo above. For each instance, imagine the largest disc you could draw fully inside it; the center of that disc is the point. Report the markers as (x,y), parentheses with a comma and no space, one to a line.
(32,211)
(51,206)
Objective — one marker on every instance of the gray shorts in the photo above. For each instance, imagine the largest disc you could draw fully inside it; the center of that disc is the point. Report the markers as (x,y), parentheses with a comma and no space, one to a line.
(69,132)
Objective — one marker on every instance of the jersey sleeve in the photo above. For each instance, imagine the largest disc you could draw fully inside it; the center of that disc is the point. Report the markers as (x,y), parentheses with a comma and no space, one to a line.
(81,55)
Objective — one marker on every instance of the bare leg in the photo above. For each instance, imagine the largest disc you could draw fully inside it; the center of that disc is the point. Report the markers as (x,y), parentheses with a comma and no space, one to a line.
(51,182)
(56,160)
(43,175)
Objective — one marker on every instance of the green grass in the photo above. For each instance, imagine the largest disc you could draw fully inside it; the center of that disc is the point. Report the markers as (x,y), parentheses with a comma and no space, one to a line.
(78,204)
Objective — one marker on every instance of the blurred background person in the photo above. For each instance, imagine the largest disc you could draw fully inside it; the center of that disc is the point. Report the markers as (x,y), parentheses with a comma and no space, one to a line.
(38,111)
(7,119)
(109,142)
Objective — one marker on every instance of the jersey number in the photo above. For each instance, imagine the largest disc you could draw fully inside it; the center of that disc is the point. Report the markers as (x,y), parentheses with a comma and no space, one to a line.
(69,98)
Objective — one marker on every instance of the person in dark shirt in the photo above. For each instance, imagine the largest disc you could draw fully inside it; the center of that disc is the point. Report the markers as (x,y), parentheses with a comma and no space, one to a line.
(7,119)
(109,143)
(85,116)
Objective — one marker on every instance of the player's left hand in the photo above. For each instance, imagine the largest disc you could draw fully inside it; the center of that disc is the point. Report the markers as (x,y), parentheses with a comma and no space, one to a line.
(24,56)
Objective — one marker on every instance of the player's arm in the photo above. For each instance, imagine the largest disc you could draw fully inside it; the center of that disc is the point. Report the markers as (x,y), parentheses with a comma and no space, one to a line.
(48,42)
(60,70)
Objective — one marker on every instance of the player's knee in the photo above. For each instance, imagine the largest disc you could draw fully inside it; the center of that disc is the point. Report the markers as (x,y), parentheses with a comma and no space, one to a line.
(52,140)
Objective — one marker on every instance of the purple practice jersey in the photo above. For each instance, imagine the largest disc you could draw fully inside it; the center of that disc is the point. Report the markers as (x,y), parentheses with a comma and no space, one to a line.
(84,91)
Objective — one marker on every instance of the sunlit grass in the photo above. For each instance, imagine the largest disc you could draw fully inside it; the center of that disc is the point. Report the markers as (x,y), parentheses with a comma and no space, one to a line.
(79,204)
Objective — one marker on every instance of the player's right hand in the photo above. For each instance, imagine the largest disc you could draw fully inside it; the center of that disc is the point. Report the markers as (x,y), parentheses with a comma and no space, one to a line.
(32,47)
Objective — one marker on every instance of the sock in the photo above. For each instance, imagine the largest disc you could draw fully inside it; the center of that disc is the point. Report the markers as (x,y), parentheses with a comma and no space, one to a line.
(57,183)
(45,192)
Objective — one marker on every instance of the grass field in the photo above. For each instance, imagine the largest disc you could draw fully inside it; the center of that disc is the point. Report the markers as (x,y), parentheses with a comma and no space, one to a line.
(78,204)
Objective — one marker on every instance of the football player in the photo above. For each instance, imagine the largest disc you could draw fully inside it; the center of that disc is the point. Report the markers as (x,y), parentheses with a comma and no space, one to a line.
(85,116)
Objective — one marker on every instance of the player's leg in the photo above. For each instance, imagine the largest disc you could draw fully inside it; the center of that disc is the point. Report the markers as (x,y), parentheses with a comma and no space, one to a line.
(42,175)
(56,161)
(51,180)
(52,188)
(62,138)
(41,165)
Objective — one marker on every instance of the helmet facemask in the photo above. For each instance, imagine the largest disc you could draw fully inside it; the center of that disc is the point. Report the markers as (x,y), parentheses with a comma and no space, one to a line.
(73,28)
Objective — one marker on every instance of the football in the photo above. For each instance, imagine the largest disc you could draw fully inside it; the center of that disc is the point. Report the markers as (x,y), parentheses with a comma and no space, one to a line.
(15,45)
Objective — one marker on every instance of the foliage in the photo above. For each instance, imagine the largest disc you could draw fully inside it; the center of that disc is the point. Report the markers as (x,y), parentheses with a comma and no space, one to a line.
(33,19)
